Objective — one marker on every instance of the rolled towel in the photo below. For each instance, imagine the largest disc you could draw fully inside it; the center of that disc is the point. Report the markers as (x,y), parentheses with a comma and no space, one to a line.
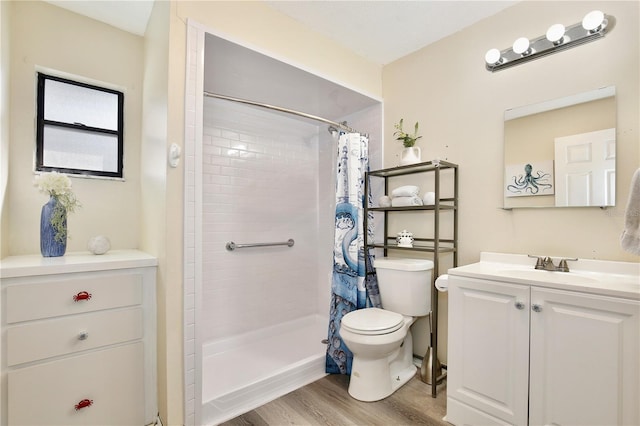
(442,283)
(405,191)
(429,198)
(406,201)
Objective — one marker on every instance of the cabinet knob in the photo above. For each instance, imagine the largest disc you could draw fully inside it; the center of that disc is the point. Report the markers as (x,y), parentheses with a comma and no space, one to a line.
(536,308)
(83,335)
(83,404)
(83,295)
(519,305)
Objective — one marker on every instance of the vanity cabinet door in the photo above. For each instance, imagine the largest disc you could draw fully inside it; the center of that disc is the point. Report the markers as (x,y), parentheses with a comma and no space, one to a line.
(488,352)
(584,359)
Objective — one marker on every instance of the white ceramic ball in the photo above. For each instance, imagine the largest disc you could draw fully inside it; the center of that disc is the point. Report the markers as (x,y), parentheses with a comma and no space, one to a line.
(99,244)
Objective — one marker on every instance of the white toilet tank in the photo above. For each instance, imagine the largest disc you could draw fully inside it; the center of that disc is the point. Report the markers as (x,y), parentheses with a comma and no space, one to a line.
(405,285)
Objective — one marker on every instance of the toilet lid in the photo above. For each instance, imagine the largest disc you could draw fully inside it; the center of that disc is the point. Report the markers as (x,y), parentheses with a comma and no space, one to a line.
(372,321)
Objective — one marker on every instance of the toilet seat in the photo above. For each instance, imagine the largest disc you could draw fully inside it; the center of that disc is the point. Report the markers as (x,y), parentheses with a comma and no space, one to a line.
(372,321)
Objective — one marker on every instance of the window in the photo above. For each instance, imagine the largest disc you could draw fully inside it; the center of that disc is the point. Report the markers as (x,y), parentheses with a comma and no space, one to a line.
(79,128)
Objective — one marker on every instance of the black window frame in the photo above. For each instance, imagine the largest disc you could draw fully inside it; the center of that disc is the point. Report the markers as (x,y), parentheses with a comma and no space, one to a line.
(41,123)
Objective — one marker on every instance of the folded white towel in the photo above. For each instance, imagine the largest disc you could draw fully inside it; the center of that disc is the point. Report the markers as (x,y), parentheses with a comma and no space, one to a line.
(405,191)
(406,201)
(384,201)
(630,239)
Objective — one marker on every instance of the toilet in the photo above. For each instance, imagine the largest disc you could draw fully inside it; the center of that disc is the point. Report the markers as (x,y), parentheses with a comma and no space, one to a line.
(379,339)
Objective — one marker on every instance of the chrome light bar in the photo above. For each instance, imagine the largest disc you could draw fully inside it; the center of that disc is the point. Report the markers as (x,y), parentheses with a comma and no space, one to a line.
(593,27)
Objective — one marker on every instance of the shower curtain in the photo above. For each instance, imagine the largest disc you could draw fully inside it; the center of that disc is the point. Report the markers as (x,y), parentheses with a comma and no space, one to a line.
(351,286)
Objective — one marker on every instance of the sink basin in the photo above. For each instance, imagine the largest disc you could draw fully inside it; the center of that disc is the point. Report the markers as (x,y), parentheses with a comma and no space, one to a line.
(547,276)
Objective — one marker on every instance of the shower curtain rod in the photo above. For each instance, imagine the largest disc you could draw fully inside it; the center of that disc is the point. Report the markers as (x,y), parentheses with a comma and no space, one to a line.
(342,126)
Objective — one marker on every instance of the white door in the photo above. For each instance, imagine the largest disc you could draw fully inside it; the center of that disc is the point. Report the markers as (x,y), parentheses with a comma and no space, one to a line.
(488,355)
(584,359)
(585,169)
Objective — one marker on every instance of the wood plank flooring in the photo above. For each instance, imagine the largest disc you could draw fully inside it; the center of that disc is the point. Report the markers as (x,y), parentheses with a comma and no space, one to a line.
(327,402)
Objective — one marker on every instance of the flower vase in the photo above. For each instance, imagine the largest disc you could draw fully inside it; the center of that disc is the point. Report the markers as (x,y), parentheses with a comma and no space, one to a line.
(410,155)
(49,247)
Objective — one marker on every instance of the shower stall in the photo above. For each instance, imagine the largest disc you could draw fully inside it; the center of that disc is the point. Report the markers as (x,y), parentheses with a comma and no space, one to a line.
(256,315)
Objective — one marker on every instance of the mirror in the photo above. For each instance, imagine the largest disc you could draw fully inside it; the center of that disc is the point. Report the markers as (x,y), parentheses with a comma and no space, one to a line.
(561,153)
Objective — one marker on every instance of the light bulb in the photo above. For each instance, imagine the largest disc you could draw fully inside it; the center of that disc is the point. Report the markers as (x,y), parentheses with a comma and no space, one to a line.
(593,21)
(555,33)
(521,46)
(492,57)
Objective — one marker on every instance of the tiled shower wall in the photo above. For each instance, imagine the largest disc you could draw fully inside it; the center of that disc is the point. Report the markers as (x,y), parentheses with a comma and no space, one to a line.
(260,184)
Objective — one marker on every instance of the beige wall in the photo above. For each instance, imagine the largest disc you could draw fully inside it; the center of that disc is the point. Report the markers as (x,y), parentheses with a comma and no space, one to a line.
(46,36)
(4,124)
(153,200)
(460,108)
(261,28)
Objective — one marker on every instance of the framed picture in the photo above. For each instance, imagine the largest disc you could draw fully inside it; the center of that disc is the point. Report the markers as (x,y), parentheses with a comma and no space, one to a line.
(529,179)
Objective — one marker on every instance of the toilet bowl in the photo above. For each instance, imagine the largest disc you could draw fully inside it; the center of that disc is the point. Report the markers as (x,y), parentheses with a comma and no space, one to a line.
(381,362)
(380,339)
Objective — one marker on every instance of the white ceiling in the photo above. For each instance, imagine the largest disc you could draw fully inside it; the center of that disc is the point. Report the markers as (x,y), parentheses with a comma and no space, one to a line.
(128,15)
(381,31)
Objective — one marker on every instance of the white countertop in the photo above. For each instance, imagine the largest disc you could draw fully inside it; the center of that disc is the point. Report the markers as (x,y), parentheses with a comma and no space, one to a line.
(607,278)
(32,265)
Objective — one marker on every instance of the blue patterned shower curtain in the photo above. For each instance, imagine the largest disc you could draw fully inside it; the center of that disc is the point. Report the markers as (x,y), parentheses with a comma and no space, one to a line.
(348,286)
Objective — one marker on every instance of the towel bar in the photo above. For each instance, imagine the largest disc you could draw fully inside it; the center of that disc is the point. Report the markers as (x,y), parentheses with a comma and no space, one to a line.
(232,246)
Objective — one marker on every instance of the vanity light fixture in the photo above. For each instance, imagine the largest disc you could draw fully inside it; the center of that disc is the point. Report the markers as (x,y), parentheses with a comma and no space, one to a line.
(593,27)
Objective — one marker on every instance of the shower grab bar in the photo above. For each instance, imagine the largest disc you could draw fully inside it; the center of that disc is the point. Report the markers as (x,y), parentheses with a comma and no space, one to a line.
(232,246)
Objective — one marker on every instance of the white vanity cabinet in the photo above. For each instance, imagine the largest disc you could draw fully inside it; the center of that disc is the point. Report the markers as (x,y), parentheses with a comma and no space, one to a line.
(525,354)
(78,339)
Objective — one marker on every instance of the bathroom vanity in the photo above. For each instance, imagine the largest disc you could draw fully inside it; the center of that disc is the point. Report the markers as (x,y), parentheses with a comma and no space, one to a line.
(537,347)
(79,339)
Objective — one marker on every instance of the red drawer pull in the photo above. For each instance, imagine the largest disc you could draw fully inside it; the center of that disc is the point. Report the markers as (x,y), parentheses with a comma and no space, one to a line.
(84,403)
(83,295)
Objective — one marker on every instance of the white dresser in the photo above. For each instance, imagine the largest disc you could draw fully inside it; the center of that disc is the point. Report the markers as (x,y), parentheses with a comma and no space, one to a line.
(79,339)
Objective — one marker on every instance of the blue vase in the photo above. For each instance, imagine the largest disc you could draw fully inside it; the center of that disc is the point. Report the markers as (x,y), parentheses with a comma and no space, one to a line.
(49,247)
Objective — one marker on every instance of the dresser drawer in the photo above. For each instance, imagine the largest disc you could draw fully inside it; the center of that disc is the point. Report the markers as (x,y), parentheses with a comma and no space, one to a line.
(111,379)
(43,339)
(72,295)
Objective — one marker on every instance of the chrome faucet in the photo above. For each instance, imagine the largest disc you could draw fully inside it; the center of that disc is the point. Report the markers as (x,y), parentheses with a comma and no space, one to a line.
(546,264)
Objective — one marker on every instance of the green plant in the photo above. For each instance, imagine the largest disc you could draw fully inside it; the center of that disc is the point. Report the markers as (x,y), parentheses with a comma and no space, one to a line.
(58,186)
(407,139)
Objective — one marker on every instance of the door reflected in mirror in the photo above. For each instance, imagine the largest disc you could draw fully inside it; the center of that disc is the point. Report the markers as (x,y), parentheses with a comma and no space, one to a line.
(561,153)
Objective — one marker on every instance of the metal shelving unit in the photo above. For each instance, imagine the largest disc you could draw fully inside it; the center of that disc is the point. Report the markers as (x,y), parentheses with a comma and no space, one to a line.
(434,245)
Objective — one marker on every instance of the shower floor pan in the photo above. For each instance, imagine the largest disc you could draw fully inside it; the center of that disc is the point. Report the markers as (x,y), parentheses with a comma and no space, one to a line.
(241,373)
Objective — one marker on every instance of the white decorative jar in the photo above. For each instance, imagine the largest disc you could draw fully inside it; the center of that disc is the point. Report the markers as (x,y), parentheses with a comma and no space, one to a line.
(411,155)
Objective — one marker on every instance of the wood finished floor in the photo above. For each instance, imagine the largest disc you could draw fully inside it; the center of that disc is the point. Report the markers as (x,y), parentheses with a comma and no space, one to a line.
(327,402)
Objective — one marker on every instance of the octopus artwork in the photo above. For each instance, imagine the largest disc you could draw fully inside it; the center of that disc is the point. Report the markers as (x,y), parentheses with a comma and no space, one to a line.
(530,183)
